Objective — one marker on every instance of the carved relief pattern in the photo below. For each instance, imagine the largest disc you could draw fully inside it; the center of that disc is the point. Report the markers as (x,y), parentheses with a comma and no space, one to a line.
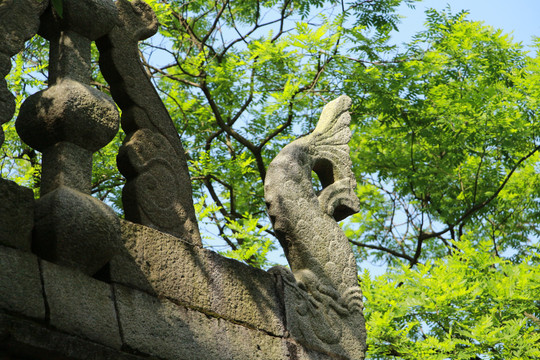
(150,155)
(158,190)
(323,287)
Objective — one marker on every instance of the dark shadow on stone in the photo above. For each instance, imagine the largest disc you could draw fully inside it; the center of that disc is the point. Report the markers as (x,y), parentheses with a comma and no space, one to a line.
(104,274)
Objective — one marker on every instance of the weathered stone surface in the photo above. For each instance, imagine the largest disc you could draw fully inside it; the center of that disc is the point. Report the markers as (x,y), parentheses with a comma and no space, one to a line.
(5,66)
(322,298)
(19,21)
(75,229)
(148,160)
(321,322)
(16,215)
(7,105)
(20,284)
(164,329)
(25,339)
(296,351)
(66,164)
(68,111)
(80,305)
(90,18)
(124,269)
(204,279)
(148,199)
(69,57)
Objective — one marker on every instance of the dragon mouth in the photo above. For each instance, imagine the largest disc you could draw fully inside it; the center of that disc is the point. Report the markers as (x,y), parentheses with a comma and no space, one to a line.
(339,200)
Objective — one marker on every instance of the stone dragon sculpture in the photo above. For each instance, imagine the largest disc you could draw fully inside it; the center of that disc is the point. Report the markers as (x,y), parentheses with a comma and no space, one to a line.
(323,282)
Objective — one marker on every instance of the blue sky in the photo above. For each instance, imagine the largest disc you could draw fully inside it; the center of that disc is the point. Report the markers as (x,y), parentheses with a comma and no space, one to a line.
(519,17)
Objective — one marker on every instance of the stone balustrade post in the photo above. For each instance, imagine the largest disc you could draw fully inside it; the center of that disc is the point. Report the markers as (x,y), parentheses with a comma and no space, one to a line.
(67,123)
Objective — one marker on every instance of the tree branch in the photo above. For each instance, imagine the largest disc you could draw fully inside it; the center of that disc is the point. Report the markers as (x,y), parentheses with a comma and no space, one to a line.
(382,248)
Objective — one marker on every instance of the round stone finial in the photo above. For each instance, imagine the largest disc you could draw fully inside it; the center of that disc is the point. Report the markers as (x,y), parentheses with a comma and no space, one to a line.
(68,111)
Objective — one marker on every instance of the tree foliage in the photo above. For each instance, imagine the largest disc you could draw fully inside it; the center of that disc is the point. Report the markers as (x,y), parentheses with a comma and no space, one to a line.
(470,305)
(242,80)
(446,143)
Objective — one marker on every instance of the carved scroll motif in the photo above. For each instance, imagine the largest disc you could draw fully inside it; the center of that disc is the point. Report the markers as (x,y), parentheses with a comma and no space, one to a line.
(158,190)
(322,296)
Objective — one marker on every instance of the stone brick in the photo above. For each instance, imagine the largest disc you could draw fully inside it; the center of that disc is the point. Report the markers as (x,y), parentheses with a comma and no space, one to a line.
(123,269)
(20,284)
(161,328)
(81,305)
(25,339)
(203,279)
(16,215)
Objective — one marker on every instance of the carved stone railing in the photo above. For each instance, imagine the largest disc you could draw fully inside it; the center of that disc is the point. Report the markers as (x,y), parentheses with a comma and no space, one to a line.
(76,280)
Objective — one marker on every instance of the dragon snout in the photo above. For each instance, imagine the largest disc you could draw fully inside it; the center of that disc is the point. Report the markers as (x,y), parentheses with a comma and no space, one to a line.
(339,200)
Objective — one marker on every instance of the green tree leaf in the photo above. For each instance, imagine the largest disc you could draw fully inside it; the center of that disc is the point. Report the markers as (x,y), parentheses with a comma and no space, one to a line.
(58,7)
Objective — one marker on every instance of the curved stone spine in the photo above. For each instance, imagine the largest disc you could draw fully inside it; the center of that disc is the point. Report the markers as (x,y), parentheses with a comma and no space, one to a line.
(152,149)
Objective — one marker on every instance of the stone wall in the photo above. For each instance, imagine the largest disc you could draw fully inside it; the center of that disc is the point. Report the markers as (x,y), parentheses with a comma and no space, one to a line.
(159,297)
(77,282)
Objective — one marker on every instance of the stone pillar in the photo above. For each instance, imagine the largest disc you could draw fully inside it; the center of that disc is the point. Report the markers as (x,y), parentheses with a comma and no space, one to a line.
(68,122)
